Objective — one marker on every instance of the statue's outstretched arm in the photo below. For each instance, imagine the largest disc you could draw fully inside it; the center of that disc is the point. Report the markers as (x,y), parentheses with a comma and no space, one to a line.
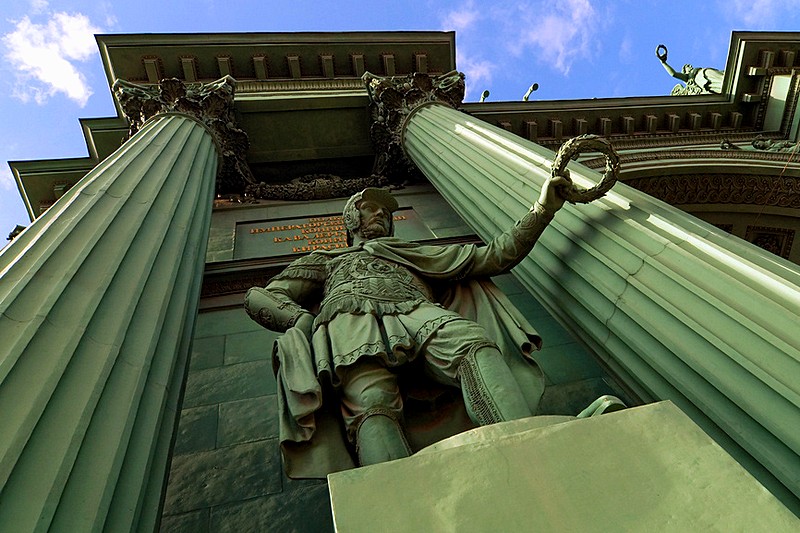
(508,249)
(505,251)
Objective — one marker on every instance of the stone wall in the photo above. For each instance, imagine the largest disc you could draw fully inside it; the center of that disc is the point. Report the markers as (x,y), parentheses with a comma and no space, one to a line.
(226,471)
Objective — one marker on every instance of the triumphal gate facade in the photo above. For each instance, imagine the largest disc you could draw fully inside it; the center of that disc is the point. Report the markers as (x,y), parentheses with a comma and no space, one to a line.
(136,391)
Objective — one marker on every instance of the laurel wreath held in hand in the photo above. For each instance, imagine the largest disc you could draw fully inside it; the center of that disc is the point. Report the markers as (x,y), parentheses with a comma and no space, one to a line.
(586,143)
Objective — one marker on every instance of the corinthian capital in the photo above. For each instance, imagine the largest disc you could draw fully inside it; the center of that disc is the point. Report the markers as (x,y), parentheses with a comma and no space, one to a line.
(393,99)
(209,103)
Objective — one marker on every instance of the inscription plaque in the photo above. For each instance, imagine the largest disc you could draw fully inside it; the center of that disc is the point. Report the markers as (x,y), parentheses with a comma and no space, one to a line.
(295,236)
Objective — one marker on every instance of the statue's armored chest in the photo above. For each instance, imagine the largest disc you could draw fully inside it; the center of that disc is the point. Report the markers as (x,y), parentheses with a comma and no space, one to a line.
(363,275)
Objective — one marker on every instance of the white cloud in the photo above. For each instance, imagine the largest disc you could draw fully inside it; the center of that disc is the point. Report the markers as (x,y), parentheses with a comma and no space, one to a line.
(45,56)
(493,36)
(478,74)
(462,19)
(626,50)
(759,14)
(562,35)
(105,10)
(468,22)
(38,6)
(7,182)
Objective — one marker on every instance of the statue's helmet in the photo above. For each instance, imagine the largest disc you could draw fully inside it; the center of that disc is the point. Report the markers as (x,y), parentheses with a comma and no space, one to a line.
(352,216)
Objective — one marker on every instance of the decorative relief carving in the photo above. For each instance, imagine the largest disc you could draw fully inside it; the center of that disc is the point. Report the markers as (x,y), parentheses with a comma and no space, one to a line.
(260,86)
(209,103)
(725,144)
(791,104)
(724,153)
(761,110)
(722,189)
(392,100)
(775,240)
(314,187)
(771,145)
(727,228)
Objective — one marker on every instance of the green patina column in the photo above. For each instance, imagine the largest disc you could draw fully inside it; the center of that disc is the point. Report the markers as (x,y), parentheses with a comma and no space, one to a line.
(676,308)
(98,299)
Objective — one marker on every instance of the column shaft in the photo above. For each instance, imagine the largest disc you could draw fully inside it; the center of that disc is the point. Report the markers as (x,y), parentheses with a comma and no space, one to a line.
(98,299)
(678,309)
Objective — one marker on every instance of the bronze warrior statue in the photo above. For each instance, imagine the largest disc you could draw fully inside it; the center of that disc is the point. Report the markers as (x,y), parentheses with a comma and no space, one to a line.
(380,307)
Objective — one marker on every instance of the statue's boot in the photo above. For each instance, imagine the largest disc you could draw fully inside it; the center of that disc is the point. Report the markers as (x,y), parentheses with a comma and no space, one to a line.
(380,438)
(491,394)
(604,404)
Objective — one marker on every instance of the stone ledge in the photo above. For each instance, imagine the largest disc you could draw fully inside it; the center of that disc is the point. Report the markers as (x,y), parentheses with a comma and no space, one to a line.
(642,469)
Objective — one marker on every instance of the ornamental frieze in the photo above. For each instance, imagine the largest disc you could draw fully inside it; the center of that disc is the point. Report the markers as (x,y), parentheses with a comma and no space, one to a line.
(726,152)
(722,189)
(314,187)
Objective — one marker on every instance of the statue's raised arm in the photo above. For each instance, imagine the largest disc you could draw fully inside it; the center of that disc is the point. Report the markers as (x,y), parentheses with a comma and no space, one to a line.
(508,249)
(697,80)
(661,54)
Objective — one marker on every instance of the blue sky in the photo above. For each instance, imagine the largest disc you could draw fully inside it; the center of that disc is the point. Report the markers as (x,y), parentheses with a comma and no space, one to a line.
(51,74)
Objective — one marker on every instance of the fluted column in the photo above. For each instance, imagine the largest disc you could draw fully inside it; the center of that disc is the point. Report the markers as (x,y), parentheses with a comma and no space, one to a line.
(678,309)
(98,299)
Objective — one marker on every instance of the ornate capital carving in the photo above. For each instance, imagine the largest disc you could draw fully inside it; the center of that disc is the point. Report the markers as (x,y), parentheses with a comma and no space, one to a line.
(209,103)
(393,99)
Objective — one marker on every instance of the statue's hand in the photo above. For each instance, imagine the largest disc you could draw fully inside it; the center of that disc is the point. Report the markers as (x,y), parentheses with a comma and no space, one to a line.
(555,192)
(305,323)
(560,188)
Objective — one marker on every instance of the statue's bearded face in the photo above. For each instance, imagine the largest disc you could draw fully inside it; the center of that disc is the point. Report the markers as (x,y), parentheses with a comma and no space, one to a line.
(376,220)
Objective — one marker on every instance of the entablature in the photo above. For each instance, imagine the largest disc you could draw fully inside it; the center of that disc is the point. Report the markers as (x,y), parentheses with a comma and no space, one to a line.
(276,61)
(627,121)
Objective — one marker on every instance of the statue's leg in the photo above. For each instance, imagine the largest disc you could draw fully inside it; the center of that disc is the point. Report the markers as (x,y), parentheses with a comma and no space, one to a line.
(491,394)
(380,438)
(459,354)
(372,409)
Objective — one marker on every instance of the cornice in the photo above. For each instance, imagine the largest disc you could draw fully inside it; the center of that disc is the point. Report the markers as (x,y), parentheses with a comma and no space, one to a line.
(664,121)
(275,38)
(643,141)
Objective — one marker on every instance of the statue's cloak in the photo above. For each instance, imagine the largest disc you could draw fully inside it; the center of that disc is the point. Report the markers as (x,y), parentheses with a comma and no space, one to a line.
(312,436)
